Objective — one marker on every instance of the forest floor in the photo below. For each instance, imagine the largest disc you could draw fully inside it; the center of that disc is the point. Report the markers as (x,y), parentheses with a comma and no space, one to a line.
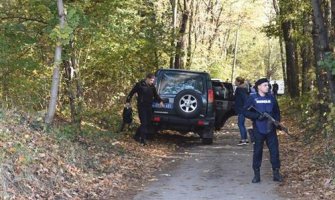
(39,164)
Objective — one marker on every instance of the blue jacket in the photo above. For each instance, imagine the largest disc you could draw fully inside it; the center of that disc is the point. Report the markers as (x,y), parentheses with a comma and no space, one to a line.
(268,104)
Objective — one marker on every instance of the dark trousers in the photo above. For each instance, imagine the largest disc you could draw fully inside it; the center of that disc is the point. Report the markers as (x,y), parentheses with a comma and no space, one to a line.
(145,115)
(271,140)
(241,126)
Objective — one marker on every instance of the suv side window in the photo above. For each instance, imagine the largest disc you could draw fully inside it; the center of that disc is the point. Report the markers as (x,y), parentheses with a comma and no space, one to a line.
(230,89)
(222,91)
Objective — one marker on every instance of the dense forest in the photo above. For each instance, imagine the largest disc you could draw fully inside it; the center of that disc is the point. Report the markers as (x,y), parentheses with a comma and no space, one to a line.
(76,60)
(89,53)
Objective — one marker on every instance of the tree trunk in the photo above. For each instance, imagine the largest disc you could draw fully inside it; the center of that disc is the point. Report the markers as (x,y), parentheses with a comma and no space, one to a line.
(74,89)
(282,53)
(235,56)
(180,48)
(189,47)
(320,78)
(323,43)
(55,77)
(297,73)
(332,30)
(77,117)
(173,32)
(5,83)
(268,67)
(306,55)
(225,44)
(282,57)
(218,23)
(290,59)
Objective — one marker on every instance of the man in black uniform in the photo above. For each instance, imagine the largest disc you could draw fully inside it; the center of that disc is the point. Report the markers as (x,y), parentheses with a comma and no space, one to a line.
(263,128)
(275,88)
(146,94)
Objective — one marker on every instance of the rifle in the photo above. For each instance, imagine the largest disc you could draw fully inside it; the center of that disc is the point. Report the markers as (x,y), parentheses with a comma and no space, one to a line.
(279,125)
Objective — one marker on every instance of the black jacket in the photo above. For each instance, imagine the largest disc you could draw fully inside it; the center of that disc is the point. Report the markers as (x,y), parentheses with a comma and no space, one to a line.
(146,94)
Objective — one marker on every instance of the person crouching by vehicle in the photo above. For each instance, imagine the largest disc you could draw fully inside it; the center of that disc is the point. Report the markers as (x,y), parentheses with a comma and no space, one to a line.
(241,95)
(146,95)
(264,129)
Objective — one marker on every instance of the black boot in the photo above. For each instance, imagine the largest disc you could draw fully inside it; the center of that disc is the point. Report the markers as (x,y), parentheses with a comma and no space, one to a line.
(277,176)
(136,138)
(257,177)
(143,142)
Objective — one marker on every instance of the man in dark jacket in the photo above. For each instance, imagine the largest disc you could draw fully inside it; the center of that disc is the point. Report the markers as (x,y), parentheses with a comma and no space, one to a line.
(146,95)
(275,88)
(264,129)
(241,95)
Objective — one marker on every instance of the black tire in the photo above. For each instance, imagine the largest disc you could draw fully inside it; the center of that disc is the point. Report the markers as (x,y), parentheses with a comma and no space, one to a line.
(188,103)
(207,141)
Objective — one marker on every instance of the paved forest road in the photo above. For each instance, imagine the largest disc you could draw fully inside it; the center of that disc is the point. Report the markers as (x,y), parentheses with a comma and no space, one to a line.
(218,171)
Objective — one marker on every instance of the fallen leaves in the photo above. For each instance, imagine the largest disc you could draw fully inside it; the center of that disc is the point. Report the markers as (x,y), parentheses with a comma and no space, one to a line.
(38,165)
(306,177)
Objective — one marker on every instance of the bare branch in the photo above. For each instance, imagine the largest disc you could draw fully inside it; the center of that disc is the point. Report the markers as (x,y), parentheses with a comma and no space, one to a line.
(23,18)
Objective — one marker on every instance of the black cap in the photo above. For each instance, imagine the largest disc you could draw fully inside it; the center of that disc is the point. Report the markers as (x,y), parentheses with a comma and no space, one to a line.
(260,81)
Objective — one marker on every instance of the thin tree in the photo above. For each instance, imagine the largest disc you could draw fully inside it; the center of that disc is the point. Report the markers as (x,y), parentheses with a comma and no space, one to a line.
(180,48)
(287,28)
(56,75)
(235,55)
(173,31)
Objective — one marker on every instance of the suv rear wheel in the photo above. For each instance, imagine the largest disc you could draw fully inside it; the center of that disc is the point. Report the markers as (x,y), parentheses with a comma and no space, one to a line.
(188,103)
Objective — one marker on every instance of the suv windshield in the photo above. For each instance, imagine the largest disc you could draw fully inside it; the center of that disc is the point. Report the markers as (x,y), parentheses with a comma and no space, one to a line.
(173,83)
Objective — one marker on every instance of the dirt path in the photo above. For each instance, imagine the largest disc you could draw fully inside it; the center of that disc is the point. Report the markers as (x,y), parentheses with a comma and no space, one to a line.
(219,171)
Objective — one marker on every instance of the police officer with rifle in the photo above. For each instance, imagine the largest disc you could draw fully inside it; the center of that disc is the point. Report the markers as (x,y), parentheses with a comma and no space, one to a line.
(258,108)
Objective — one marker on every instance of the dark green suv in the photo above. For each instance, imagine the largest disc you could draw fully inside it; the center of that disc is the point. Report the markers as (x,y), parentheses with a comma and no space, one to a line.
(189,103)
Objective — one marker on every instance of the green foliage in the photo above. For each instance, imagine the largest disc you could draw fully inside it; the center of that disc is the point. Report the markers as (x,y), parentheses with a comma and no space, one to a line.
(61,34)
(66,133)
(328,62)
(115,44)
(329,126)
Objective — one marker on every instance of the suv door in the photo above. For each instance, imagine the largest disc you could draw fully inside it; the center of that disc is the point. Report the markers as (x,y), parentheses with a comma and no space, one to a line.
(224,102)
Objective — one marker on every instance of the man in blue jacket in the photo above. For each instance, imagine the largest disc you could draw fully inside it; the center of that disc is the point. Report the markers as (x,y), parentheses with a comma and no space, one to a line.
(264,129)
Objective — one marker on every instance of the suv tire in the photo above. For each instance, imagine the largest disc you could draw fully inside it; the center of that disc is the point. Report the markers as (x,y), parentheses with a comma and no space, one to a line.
(188,103)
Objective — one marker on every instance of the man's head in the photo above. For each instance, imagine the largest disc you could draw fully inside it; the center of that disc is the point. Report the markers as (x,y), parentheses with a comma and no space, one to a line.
(262,85)
(150,78)
(239,80)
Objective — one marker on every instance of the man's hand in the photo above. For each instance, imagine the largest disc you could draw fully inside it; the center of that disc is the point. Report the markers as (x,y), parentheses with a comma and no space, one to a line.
(161,104)
(261,117)
(127,105)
